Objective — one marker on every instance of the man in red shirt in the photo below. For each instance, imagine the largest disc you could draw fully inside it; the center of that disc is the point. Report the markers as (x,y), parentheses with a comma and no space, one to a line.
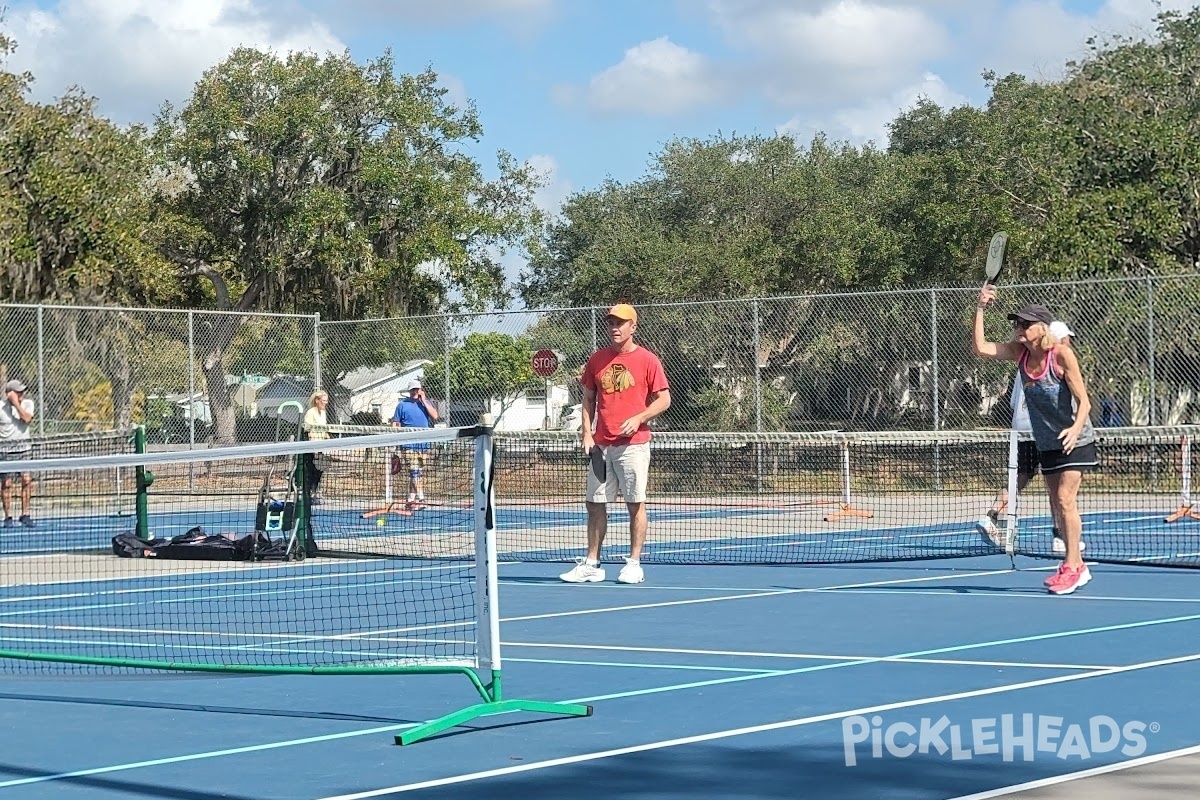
(624,387)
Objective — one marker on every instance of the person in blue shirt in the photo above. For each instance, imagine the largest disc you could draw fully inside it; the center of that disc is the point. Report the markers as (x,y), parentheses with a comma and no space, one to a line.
(415,411)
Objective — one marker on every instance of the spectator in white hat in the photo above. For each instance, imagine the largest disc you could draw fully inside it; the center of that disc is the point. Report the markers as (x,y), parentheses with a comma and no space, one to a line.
(415,411)
(16,412)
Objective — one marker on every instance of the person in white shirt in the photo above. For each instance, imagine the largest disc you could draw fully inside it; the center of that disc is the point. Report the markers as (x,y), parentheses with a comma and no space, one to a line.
(1028,462)
(315,421)
(16,412)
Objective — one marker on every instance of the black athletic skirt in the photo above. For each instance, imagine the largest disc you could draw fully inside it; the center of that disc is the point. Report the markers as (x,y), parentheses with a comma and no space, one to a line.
(1082,458)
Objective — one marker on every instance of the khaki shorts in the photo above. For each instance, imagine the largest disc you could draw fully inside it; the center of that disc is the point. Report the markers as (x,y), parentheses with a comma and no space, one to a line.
(618,470)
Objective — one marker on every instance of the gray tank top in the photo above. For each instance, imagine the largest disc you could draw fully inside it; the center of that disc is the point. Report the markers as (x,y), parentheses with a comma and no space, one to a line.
(1051,405)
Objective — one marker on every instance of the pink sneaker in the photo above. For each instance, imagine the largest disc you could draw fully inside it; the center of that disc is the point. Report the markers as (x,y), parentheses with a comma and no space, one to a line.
(1054,576)
(1068,580)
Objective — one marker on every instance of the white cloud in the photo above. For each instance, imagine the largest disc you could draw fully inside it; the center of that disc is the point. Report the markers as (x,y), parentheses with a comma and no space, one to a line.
(656,77)
(810,52)
(135,54)
(868,120)
(523,19)
(456,90)
(1036,38)
(848,67)
(555,189)
(451,11)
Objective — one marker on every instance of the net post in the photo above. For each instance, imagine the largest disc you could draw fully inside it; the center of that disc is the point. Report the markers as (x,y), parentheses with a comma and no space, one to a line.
(847,509)
(1010,514)
(387,476)
(1187,509)
(487,612)
(487,609)
(303,509)
(144,478)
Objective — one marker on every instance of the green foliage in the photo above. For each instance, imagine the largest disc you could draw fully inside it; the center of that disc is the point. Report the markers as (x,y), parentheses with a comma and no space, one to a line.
(721,218)
(489,366)
(271,346)
(350,345)
(1129,133)
(315,184)
(73,205)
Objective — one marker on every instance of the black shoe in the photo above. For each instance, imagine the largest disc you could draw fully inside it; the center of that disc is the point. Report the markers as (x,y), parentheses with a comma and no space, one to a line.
(27,522)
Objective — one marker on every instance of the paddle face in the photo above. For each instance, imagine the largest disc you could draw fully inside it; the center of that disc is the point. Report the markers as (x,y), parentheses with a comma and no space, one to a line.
(599,468)
(995,257)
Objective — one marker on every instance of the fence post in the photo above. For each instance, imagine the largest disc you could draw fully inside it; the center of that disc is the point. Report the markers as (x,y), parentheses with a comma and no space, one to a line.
(1150,346)
(316,346)
(595,341)
(191,332)
(446,364)
(41,372)
(758,394)
(937,395)
(935,371)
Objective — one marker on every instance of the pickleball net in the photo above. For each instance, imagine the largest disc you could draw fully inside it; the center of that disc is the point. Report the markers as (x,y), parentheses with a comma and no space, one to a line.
(827,498)
(112,493)
(239,560)
(814,498)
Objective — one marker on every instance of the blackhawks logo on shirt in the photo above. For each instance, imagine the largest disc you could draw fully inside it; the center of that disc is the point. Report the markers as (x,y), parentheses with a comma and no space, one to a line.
(616,378)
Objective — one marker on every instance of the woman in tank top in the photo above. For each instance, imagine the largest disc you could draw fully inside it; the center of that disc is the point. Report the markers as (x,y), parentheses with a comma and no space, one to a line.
(1057,400)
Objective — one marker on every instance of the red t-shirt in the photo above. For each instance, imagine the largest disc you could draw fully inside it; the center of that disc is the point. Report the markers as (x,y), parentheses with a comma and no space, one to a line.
(623,383)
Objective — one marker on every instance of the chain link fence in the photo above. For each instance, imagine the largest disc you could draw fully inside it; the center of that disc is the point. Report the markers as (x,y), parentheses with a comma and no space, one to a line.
(192,378)
(898,360)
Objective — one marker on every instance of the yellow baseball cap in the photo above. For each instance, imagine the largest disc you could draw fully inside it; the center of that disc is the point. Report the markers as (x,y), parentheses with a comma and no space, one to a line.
(623,311)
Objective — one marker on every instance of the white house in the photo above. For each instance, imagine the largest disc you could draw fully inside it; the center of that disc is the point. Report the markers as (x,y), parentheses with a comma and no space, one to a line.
(379,389)
(534,409)
(365,389)
(184,406)
(285,391)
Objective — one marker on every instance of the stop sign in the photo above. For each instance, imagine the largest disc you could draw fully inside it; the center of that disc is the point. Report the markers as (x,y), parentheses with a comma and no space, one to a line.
(545,363)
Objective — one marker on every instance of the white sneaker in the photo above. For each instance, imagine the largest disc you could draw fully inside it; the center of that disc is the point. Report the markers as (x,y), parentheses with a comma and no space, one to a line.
(584,572)
(990,531)
(631,573)
(1060,546)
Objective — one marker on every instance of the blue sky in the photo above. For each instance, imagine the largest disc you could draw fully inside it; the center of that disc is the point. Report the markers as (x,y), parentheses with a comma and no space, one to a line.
(586,89)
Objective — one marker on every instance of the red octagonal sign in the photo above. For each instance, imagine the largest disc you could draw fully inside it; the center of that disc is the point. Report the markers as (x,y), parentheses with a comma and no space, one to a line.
(545,363)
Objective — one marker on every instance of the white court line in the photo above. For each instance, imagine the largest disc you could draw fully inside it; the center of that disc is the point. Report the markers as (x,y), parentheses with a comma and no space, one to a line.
(1087,773)
(798,656)
(771,726)
(214,597)
(694,601)
(207,586)
(282,639)
(894,534)
(750,595)
(332,569)
(1032,594)
(641,587)
(692,667)
(636,693)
